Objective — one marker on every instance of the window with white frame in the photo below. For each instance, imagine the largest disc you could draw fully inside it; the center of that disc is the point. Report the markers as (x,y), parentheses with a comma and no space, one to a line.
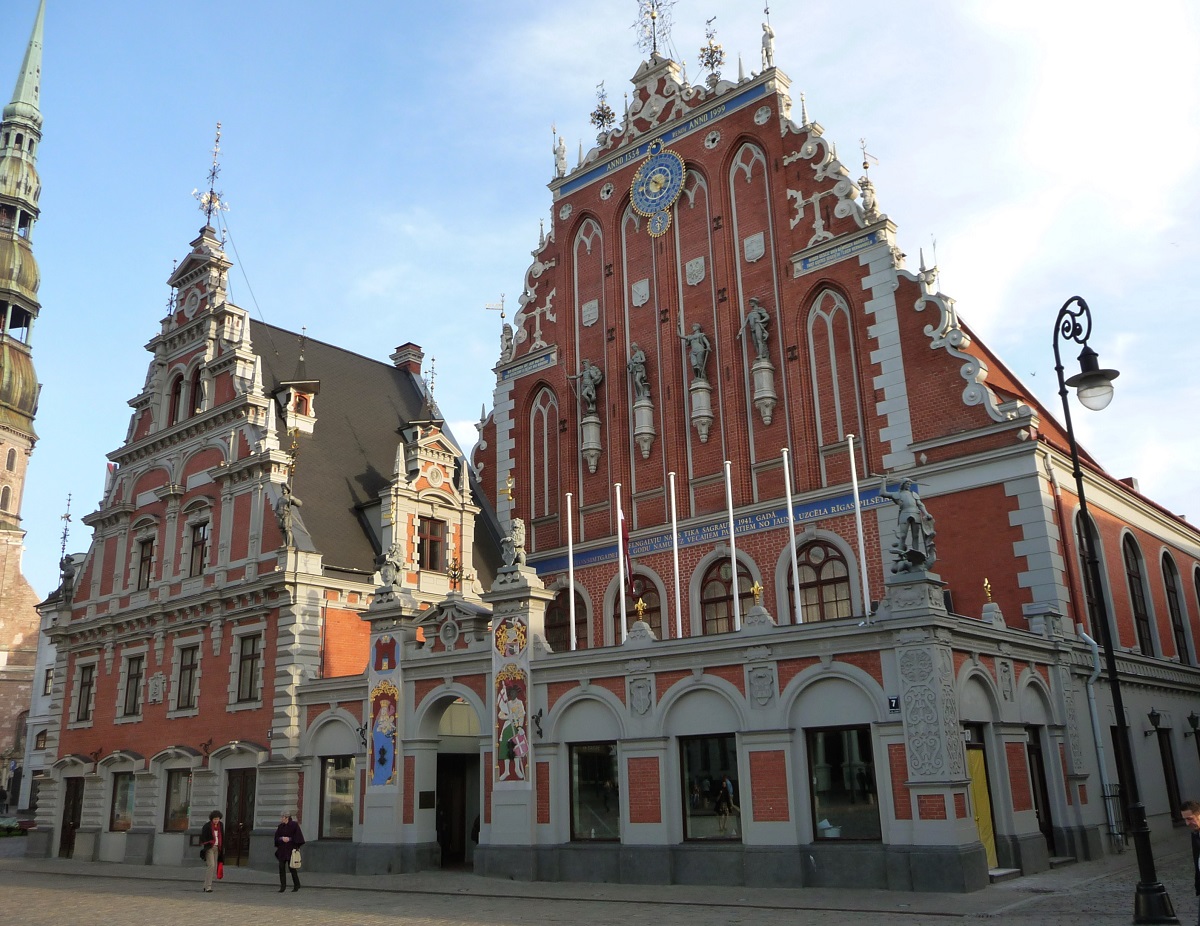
(83,694)
(187,676)
(48,681)
(145,562)
(198,560)
(133,675)
(249,664)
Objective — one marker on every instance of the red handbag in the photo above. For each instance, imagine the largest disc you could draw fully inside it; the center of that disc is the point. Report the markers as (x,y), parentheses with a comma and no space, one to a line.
(220,870)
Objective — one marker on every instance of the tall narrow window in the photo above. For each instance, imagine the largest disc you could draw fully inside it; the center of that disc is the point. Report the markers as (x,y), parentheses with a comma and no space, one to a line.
(132,702)
(175,409)
(48,681)
(650,610)
(543,456)
(558,623)
(189,663)
(1091,593)
(120,817)
(1137,594)
(1175,608)
(595,800)
(431,544)
(716,595)
(709,786)
(337,797)
(5,498)
(248,659)
(145,562)
(196,405)
(199,559)
(842,776)
(179,800)
(87,681)
(10,462)
(824,583)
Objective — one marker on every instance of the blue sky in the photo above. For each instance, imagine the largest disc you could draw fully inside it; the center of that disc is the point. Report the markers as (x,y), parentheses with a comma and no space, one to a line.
(386,166)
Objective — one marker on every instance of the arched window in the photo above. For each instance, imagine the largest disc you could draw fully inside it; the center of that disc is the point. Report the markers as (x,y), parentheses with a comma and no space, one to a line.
(716,595)
(5,497)
(1091,594)
(1175,607)
(558,623)
(645,591)
(300,406)
(543,456)
(824,584)
(1137,594)
(196,405)
(175,407)
(10,461)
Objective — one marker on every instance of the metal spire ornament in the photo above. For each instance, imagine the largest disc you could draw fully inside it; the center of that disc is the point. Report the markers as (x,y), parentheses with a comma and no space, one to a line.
(210,200)
(602,116)
(654,20)
(66,519)
(712,55)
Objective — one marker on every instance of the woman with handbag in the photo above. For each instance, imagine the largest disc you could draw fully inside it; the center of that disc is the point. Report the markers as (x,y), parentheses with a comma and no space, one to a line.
(212,848)
(288,840)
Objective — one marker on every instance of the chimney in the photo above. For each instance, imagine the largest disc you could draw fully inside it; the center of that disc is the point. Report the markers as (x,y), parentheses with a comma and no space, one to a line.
(408,357)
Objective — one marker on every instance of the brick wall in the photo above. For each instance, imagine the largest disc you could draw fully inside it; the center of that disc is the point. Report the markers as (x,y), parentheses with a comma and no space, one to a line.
(769,786)
(645,804)
(931,806)
(543,792)
(1018,776)
(898,767)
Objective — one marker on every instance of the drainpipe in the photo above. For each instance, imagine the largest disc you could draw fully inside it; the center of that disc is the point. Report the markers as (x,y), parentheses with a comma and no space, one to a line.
(1114,834)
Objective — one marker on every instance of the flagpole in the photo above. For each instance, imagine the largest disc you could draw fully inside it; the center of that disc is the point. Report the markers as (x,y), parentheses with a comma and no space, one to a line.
(862,555)
(787,484)
(675,557)
(737,604)
(571,571)
(621,552)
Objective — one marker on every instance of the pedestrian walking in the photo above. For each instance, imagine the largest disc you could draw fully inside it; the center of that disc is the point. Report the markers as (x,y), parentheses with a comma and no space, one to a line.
(212,841)
(1191,816)
(288,840)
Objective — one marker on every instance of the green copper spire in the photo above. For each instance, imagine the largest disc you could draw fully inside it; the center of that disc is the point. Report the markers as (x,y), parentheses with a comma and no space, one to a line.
(27,94)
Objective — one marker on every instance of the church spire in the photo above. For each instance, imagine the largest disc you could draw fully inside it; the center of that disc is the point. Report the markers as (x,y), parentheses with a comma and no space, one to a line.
(26,99)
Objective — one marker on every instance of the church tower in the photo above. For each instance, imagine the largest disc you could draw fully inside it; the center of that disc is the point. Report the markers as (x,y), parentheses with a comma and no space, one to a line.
(20,136)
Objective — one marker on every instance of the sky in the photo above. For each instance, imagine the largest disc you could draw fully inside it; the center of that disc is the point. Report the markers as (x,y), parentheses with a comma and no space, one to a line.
(386,165)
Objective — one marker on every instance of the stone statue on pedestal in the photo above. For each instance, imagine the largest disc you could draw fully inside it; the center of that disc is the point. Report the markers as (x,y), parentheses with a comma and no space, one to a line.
(913,546)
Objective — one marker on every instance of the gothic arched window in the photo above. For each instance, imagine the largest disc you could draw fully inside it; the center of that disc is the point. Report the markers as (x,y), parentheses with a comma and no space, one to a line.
(1175,607)
(716,595)
(543,455)
(824,583)
(558,622)
(833,370)
(1137,594)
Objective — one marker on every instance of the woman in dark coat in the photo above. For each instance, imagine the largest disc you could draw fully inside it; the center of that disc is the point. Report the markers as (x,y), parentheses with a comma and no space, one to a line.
(212,842)
(287,838)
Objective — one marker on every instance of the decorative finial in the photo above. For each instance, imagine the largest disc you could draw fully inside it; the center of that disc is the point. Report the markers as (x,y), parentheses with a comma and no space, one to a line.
(66,519)
(431,379)
(496,307)
(867,157)
(803,110)
(756,590)
(653,23)
(211,201)
(303,340)
(293,452)
(640,607)
(174,292)
(712,55)
(987,589)
(509,485)
(602,116)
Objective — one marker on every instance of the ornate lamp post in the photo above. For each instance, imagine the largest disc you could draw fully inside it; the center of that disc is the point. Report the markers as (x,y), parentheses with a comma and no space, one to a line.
(1151,903)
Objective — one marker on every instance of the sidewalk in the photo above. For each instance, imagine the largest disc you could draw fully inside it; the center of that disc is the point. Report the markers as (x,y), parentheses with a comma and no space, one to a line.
(1115,876)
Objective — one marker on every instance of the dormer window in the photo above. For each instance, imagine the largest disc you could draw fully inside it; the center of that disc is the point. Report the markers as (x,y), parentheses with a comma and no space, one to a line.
(302,405)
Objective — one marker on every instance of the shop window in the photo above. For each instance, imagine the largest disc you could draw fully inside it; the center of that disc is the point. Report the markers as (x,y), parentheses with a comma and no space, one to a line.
(249,655)
(189,665)
(651,611)
(558,623)
(120,817)
(199,555)
(87,683)
(709,785)
(132,702)
(431,544)
(1137,594)
(595,797)
(179,800)
(716,595)
(841,769)
(337,797)
(824,583)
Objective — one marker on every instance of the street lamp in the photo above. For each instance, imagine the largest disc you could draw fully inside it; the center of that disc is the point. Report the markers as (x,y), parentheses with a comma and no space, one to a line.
(1151,903)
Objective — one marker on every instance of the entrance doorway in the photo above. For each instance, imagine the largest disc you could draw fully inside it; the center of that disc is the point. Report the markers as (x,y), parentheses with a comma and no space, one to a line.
(452,822)
(239,814)
(981,793)
(72,815)
(1041,794)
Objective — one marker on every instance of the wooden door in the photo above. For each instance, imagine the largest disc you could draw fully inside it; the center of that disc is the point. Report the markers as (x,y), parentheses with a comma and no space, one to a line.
(72,815)
(239,814)
(1041,794)
(981,802)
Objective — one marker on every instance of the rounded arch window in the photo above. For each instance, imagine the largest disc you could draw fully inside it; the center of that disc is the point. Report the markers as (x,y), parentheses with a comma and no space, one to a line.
(175,411)
(716,595)
(645,591)
(824,583)
(10,460)
(5,497)
(558,622)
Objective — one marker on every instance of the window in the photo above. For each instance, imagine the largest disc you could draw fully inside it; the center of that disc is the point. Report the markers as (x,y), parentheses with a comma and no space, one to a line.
(48,681)
(651,612)
(145,562)
(842,777)
(431,544)
(1137,594)
(824,584)
(133,686)
(5,498)
(1091,594)
(197,395)
(716,595)
(558,623)
(179,800)
(248,659)
(10,462)
(1175,607)
(87,681)
(176,406)
(189,663)
(595,799)
(39,741)
(199,558)
(120,817)
(337,797)
(708,765)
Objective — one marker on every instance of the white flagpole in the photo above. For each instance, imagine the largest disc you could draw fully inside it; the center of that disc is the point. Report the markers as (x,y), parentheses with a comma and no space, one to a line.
(737,603)
(571,571)
(621,560)
(675,557)
(787,484)
(862,555)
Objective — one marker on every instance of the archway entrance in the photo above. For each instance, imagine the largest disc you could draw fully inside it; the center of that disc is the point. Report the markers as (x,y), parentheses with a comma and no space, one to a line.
(458,784)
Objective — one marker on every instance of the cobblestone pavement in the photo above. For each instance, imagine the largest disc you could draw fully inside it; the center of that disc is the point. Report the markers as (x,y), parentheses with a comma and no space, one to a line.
(41,892)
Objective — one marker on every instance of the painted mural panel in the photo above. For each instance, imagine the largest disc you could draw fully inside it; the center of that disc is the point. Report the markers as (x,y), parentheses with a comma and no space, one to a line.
(510,663)
(384,687)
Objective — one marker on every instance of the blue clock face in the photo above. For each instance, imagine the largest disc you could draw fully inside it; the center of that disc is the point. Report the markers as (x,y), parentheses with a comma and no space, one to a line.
(658,183)
(658,224)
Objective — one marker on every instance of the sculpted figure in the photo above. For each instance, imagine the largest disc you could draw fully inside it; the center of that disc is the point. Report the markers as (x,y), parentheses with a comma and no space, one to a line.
(589,378)
(512,547)
(913,545)
(285,510)
(560,158)
(757,320)
(768,46)
(637,369)
(699,347)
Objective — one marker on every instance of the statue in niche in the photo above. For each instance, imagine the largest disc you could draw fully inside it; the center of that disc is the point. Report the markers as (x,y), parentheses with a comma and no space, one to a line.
(637,369)
(560,158)
(913,545)
(390,566)
(757,320)
(698,347)
(589,378)
(512,547)
(768,46)
(285,511)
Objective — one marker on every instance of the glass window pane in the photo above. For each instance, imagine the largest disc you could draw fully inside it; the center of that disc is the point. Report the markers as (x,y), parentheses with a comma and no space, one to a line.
(121,816)
(712,802)
(595,800)
(179,800)
(337,797)
(842,776)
